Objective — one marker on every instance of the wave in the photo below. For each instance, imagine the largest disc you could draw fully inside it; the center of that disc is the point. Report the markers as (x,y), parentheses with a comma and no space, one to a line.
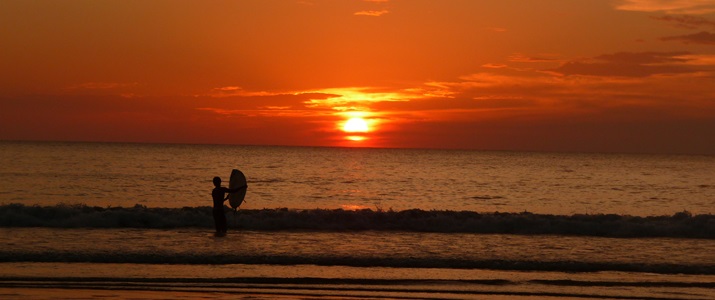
(359,288)
(679,225)
(350,261)
(133,281)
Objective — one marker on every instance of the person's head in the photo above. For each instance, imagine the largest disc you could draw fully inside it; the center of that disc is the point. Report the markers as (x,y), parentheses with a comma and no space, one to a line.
(217,181)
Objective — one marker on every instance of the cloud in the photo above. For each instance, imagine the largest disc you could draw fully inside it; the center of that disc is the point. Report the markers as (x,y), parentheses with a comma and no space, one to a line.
(641,57)
(686,21)
(699,59)
(235,91)
(670,83)
(356,98)
(627,64)
(371,13)
(691,7)
(494,66)
(101,85)
(703,37)
(590,87)
(518,57)
(233,101)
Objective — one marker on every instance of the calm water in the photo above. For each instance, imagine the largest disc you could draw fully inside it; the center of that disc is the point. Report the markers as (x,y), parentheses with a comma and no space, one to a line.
(305,178)
(44,262)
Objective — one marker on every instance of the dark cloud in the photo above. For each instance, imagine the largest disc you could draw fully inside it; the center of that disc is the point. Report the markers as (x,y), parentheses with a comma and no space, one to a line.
(459,103)
(529,59)
(703,37)
(686,21)
(642,57)
(155,119)
(627,64)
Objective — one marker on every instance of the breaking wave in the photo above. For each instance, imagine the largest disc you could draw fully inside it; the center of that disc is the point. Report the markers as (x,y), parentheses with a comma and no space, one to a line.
(679,225)
(353,261)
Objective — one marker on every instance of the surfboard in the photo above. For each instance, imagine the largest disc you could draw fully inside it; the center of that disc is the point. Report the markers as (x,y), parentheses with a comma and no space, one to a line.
(237,180)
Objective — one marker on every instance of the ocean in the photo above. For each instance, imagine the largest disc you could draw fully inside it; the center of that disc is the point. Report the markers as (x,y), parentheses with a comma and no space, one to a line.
(113,220)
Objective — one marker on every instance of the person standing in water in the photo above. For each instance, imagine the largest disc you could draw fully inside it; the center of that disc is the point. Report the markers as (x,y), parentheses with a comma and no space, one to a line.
(219,195)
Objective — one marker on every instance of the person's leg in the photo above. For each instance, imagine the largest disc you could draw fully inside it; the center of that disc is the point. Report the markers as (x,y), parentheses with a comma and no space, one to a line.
(217,220)
(223,223)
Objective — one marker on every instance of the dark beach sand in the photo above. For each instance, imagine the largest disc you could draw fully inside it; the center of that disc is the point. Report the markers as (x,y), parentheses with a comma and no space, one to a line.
(321,288)
(43,294)
(269,293)
(168,281)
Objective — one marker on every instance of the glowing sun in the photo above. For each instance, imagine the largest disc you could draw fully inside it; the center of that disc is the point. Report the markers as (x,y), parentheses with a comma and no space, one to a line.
(355,125)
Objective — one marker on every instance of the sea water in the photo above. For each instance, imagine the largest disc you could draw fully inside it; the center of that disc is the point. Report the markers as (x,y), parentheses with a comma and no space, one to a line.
(103,174)
(81,218)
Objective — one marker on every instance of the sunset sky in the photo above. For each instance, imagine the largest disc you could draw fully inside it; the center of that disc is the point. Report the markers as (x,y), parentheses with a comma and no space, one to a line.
(547,75)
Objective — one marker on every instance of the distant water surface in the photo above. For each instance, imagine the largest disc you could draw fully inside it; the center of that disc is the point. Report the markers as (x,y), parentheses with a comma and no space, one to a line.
(157,175)
(110,248)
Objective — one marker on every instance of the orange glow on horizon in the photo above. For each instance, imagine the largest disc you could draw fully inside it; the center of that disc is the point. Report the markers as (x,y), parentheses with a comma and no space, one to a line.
(355,138)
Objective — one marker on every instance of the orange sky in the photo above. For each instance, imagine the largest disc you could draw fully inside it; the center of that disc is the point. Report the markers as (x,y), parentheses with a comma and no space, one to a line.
(548,75)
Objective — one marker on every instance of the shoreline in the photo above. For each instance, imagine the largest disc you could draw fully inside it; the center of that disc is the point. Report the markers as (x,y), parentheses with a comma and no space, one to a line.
(342,283)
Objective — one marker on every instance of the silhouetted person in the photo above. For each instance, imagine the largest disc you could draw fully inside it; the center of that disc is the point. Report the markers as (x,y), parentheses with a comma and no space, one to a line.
(219,195)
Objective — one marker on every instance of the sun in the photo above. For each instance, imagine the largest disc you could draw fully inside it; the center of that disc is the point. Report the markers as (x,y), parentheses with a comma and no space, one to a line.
(355,125)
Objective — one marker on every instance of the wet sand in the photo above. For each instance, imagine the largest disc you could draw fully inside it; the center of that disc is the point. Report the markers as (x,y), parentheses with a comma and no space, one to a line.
(103,281)
(259,294)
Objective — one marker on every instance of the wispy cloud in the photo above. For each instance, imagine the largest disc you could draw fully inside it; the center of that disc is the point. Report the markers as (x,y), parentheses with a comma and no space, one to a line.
(627,64)
(357,98)
(494,66)
(518,57)
(233,91)
(686,21)
(690,7)
(371,13)
(101,85)
(703,37)
(699,59)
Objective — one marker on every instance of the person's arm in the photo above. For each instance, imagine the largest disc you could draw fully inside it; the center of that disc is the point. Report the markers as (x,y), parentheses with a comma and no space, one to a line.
(231,191)
(245,186)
